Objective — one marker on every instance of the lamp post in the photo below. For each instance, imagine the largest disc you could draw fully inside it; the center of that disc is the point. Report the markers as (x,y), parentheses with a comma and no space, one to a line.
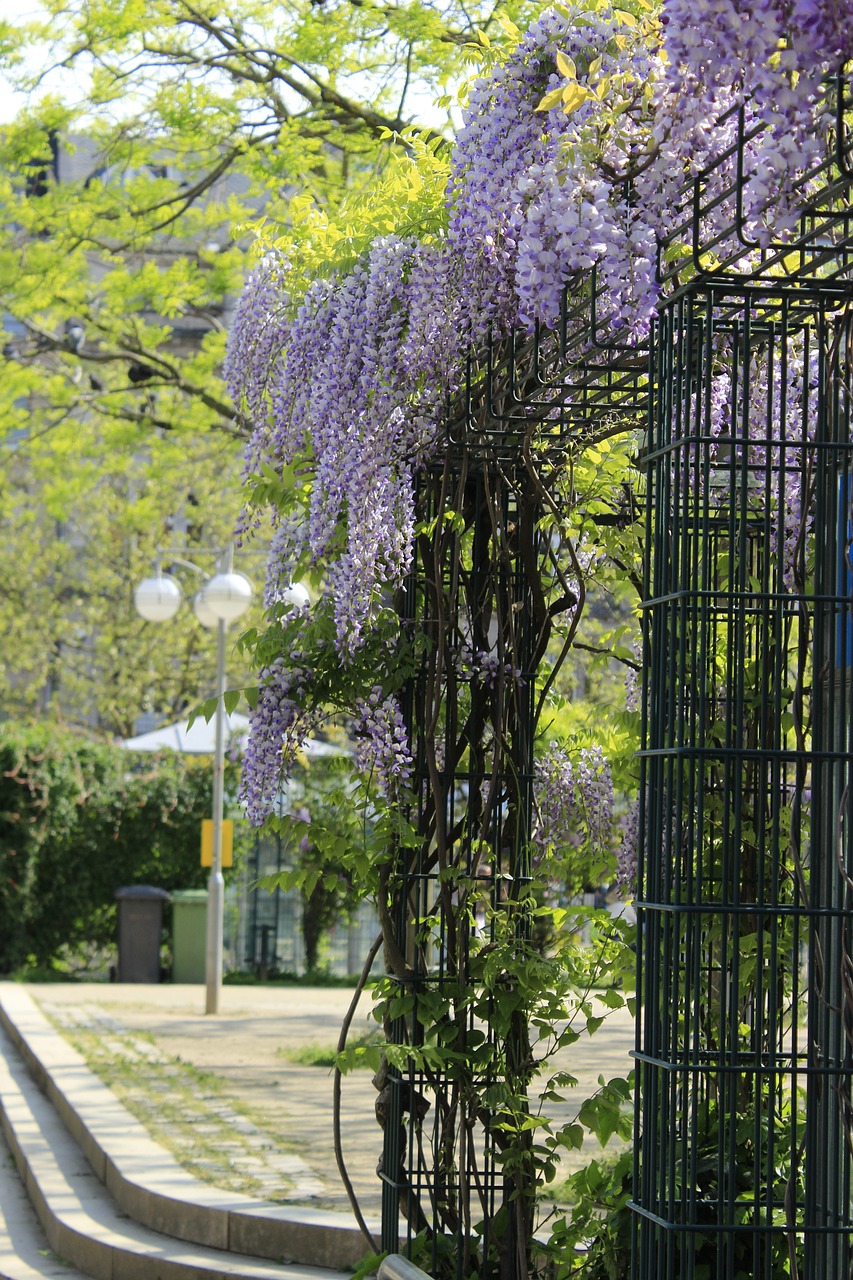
(222,599)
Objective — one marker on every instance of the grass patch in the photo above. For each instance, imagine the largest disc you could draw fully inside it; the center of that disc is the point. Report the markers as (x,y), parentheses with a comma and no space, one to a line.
(43,973)
(325,1055)
(317,978)
(310,1055)
(183,1107)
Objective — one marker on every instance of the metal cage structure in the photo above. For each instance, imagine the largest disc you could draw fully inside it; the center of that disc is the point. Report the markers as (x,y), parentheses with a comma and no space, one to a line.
(744,1050)
(484,593)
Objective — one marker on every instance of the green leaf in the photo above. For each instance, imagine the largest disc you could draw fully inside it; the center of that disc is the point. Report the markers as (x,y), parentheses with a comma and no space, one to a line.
(601,1118)
(612,998)
(551,100)
(208,709)
(573,96)
(572,1136)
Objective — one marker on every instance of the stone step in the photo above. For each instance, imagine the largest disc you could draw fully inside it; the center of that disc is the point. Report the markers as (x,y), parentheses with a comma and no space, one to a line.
(82,1223)
(24,1251)
(145,1180)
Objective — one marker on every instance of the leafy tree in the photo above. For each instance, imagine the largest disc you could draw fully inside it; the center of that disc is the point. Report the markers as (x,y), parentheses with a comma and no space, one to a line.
(74,550)
(126,213)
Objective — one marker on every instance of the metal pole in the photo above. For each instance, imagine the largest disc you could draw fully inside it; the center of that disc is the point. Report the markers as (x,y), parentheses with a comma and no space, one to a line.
(216,884)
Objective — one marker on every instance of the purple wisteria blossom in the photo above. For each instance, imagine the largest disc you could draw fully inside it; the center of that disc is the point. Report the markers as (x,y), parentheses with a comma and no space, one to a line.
(350,386)
(628,852)
(574,803)
(364,378)
(277,727)
(259,334)
(772,55)
(822,30)
(383,744)
(531,207)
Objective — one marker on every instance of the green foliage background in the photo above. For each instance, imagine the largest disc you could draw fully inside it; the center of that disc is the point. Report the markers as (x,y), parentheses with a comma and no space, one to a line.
(180,128)
(78,820)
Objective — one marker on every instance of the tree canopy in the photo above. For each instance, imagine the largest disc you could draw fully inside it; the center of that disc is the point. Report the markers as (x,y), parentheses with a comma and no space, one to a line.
(197,122)
(157,137)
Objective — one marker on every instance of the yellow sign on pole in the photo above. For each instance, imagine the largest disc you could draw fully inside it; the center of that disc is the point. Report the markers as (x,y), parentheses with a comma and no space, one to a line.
(207,842)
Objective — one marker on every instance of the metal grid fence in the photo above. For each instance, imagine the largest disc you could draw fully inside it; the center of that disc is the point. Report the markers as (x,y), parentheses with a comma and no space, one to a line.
(745,961)
(460,887)
(745,936)
(563,384)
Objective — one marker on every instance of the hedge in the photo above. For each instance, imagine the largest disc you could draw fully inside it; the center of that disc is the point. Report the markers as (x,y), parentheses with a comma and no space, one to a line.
(79,818)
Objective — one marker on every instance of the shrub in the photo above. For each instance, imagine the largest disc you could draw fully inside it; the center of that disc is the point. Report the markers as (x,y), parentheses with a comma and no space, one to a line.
(79,818)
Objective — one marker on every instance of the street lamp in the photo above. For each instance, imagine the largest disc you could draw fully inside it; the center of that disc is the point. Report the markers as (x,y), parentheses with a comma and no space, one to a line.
(294,595)
(222,599)
(158,599)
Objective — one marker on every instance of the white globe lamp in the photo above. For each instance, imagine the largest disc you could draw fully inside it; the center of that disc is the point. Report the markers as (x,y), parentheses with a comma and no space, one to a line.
(158,599)
(227,596)
(294,595)
(224,598)
(204,613)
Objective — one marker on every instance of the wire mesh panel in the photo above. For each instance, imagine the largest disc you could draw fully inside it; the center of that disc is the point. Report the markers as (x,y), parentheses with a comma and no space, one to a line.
(744,1118)
(458,892)
(486,587)
(557,384)
(724,235)
(744,1123)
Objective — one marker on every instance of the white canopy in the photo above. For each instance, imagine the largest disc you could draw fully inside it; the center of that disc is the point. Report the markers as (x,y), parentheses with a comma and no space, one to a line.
(200,740)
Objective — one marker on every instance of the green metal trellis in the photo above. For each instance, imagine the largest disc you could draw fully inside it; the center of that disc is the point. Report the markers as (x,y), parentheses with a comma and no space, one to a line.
(744,1112)
(483,593)
(744,1122)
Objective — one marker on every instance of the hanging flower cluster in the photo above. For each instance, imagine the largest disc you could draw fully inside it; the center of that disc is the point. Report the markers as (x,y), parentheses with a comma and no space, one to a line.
(773,56)
(574,804)
(538,196)
(258,338)
(628,852)
(382,745)
(722,41)
(360,383)
(569,162)
(279,725)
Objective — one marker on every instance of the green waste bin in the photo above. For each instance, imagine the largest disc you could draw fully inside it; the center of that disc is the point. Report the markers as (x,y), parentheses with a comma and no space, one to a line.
(189,935)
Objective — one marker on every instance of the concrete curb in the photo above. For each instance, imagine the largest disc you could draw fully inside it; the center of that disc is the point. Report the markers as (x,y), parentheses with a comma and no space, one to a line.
(146,1181)
(81,1222)
(23,1251)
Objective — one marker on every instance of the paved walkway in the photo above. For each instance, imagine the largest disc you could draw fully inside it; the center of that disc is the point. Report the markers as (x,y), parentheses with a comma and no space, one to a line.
(265,1123)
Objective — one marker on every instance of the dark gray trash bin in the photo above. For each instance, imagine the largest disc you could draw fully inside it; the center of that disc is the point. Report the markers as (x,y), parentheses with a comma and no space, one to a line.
(140,926)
